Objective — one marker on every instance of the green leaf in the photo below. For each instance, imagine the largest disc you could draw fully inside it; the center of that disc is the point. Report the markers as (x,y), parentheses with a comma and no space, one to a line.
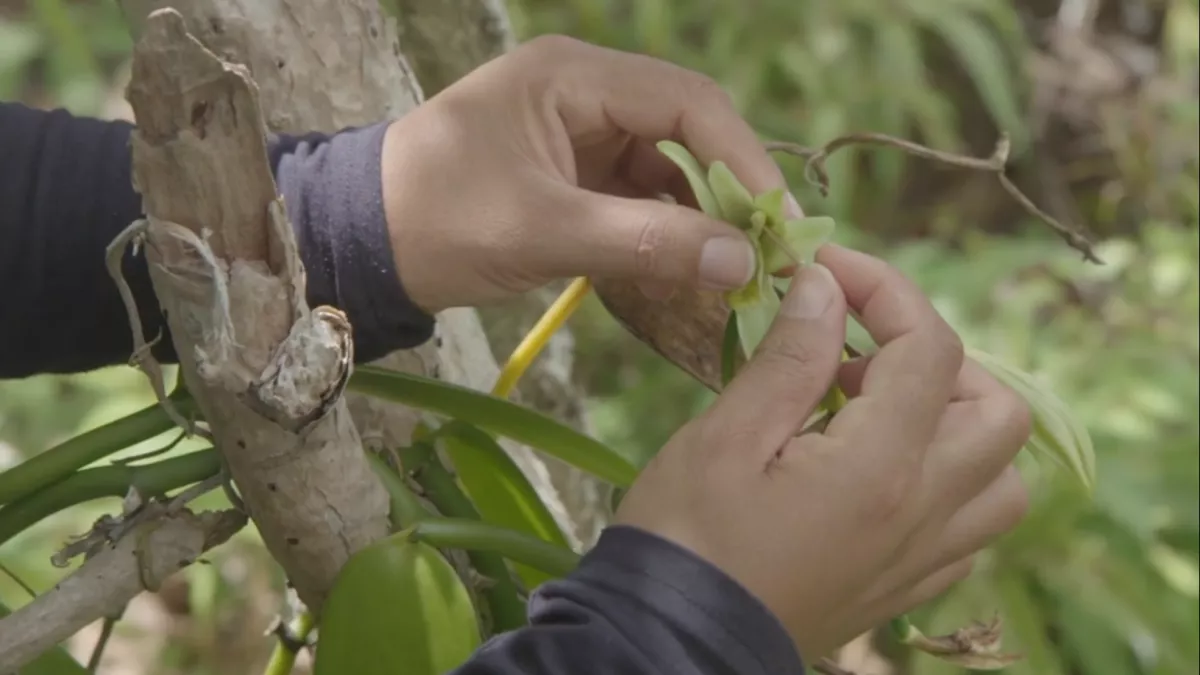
(1057,434)
(498,488)
(498,588)
(500,417)
(984,59)
(771,204)
(803,235)
(53,661)
(754,321)
(737,205)
(695,174)
(396,606)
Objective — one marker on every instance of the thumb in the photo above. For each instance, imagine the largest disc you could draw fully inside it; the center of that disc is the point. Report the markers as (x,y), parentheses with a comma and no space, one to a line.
(796,363)
(646,240)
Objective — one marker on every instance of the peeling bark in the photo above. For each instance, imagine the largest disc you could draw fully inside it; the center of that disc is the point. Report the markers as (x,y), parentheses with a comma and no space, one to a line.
(266,371)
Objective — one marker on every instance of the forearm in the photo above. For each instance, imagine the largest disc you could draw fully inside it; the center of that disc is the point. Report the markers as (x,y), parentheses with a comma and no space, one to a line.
(66,192)
(639,605)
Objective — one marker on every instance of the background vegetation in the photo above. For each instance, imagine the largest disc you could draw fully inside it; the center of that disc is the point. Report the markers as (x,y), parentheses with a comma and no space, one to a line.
(1100,98)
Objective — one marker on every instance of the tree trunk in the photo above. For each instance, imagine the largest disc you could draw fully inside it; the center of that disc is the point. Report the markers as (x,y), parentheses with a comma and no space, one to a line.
(311,77)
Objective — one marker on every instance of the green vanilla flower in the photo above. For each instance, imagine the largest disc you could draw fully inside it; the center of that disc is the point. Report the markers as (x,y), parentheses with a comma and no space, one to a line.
(779,242)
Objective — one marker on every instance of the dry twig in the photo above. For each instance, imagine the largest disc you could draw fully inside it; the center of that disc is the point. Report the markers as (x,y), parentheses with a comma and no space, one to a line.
(814,171)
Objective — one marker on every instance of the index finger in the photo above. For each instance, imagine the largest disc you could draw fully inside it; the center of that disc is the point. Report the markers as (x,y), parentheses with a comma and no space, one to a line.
(909,382)
(606,90)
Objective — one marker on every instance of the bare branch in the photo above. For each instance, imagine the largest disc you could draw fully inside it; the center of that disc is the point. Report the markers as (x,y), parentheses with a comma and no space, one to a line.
(154,550)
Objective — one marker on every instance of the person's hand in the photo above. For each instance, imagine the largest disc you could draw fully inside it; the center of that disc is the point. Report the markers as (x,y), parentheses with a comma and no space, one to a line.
(541,165)
(840,531)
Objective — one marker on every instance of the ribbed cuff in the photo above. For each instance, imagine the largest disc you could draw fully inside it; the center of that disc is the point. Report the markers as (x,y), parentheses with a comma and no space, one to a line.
(333,190)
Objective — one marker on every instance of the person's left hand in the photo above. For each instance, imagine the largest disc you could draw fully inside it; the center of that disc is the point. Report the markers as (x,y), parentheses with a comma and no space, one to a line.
(541,165)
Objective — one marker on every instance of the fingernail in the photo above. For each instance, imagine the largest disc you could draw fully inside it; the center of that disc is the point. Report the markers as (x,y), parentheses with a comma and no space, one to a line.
(793,206)
(726,263)
(811,293)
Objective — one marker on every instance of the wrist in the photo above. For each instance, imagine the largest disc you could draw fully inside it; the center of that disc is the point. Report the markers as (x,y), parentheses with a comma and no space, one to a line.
(401,189)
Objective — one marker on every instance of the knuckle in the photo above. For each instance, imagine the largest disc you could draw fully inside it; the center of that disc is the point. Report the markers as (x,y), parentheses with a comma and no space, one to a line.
(962,569)
(949,346)
(553,45)
(1017,502)
(887,497)
(702,88)
(653,241)
(1012,415)
(790,355)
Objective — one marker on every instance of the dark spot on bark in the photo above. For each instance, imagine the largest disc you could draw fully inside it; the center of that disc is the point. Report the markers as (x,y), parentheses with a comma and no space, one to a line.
(280,63)
(396,48)
(241,444)
(436,371)
(272,487)
(438,342)
(292,541)
(216,25)
(374,32)
(199,112)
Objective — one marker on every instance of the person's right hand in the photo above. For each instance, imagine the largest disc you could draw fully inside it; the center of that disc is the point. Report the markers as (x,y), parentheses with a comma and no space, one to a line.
(839,531)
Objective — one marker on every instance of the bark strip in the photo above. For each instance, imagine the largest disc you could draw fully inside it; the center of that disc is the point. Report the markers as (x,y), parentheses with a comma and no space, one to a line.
(266,371)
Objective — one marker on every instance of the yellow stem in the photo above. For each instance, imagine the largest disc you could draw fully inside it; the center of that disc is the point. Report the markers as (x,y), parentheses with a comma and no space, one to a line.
(535,341)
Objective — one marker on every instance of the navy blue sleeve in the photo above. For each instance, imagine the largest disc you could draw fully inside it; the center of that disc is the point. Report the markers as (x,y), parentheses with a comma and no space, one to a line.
(66,192)
(641,605)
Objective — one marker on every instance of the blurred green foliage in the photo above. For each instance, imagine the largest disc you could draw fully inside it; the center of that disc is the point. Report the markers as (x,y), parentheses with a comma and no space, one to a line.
(1106,587)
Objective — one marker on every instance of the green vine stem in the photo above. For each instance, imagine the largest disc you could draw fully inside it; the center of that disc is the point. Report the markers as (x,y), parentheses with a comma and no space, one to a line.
(57,463)
(406,507)
(107,481)
(500,591)
(473,535)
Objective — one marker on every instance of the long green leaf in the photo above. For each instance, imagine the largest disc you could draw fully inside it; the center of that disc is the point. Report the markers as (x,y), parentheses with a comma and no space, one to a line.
(499,489)
(500,417)
(1057,434)
(61,461)
(984,59)
(54,661)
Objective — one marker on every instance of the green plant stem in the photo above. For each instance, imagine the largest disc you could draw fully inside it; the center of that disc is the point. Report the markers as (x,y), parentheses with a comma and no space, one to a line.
(283,658)
(473,535)
(406,508)
(107,481)
(503,597)
(59,462)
